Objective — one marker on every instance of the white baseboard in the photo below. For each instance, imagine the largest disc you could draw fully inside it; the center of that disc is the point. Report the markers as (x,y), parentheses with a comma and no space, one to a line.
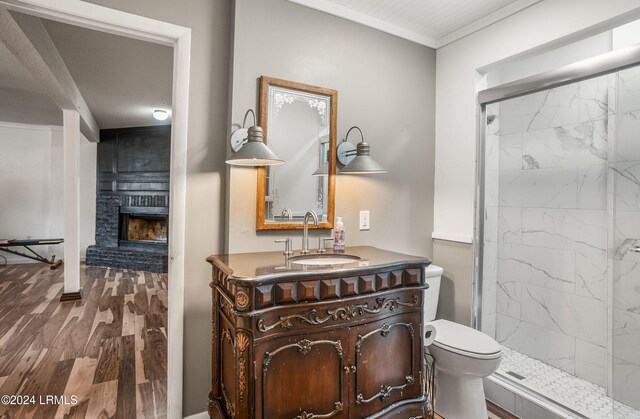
(19,260)
(16,260)
(201,415)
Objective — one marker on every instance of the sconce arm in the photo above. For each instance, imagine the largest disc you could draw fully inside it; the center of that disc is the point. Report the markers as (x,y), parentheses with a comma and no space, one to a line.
(351,129)
(244,121)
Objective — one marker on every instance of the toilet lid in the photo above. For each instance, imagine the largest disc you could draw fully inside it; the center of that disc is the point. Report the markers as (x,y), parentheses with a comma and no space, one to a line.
(459,338)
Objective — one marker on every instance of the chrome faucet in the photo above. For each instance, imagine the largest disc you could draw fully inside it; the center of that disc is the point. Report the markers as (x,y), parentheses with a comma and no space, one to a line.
(305,230)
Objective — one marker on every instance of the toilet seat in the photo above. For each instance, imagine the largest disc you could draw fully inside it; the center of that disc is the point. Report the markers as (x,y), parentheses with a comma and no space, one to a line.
(464,340)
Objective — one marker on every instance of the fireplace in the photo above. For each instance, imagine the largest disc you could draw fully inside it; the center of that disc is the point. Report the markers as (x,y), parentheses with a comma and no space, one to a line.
(143,229)
(132,199)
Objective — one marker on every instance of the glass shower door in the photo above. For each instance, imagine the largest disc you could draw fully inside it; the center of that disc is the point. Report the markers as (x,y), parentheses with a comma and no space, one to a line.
(558,231)
(624,238)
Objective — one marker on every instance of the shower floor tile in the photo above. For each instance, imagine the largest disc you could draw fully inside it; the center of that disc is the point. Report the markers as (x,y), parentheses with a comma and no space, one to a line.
(577,394)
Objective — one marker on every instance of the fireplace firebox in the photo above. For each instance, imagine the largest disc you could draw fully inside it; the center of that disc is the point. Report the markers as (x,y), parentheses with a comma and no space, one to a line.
(143,229)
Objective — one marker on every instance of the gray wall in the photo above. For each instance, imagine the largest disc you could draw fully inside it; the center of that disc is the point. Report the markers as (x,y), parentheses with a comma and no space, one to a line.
(456,289)
(385,86)
(210,22)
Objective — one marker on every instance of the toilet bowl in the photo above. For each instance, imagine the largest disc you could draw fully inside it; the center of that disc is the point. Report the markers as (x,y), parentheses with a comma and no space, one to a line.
(463,357)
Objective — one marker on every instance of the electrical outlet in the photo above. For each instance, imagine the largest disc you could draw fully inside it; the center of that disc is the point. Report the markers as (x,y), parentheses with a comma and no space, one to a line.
(364,220)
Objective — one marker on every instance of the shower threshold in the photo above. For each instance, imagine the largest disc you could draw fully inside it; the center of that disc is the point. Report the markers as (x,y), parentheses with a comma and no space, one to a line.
(577,397)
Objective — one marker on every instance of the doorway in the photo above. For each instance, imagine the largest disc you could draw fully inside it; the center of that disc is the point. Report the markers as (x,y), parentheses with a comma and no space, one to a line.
(120,23)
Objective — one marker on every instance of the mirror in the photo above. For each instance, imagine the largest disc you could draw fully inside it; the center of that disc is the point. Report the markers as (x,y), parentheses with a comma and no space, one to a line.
(299,123)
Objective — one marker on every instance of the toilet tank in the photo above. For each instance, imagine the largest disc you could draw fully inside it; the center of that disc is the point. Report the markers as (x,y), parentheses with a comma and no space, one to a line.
(433,276)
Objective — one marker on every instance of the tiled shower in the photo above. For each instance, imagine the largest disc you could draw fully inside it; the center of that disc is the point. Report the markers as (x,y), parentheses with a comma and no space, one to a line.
(561,275)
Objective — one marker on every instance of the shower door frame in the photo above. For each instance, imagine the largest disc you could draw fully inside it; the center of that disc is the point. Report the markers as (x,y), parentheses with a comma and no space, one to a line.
(597,66)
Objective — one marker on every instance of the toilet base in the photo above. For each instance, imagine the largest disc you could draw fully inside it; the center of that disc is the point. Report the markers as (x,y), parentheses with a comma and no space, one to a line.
(460,397)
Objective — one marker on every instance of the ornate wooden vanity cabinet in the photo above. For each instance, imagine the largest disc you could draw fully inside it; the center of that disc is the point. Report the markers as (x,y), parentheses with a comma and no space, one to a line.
(296,342)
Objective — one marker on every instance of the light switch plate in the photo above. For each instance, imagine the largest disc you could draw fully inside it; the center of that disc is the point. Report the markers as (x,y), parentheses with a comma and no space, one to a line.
(364,220)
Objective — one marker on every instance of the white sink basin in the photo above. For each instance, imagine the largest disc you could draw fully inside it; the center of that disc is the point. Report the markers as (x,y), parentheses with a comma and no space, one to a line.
(321,260)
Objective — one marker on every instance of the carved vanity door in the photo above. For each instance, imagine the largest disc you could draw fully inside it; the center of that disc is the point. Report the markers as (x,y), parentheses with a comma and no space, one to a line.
(302,377)
(387,363)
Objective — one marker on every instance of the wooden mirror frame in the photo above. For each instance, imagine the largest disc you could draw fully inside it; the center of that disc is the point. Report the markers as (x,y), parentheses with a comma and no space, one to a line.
(265,83)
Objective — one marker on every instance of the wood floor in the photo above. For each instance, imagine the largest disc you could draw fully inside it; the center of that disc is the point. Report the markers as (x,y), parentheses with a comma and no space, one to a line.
(109,350)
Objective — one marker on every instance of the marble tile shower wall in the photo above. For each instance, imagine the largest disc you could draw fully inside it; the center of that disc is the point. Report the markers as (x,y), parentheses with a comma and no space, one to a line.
(625,264)
(546,224)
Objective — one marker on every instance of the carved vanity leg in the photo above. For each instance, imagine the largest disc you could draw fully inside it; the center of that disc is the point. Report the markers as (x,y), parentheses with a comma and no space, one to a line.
(244,343)
(213,406)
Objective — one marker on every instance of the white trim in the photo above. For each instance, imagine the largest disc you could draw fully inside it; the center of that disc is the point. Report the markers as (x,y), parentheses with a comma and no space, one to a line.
(29,127)
(201,415)
(19,260)
(100,18)
(485,21)
(92,16)
(384,26)
(452,237)
(71,166)
(366,20)
(15,260)
(177,222)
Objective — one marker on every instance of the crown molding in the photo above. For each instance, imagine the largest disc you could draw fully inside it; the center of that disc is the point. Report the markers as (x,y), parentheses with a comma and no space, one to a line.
(352,15)
(366,20)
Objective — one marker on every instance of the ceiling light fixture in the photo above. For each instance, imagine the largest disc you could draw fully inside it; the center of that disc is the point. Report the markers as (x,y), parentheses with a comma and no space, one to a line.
(249,147)
(160,114)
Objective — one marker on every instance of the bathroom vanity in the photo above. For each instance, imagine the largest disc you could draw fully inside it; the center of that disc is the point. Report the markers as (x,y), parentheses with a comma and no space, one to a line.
(318,337)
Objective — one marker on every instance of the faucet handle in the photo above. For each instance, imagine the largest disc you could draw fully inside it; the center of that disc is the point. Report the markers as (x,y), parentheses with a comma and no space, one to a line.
(288,251)
(321,244)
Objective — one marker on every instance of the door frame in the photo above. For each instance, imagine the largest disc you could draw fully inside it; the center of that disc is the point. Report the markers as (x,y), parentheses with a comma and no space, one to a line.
(104,19)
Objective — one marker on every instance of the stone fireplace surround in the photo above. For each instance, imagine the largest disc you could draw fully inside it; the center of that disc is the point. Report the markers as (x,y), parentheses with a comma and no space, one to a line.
(133,178)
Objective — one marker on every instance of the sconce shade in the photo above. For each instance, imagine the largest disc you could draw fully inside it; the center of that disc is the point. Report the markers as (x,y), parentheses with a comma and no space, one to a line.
(254,152)
(362,164)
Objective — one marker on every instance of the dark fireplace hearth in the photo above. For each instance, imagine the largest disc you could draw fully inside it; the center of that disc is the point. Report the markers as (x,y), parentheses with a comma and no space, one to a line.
(132,200)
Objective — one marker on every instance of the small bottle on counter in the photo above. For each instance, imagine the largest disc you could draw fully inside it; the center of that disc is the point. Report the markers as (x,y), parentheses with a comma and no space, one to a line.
(338,236)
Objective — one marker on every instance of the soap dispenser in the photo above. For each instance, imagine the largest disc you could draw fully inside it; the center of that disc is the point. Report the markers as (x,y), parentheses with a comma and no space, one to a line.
(338,236)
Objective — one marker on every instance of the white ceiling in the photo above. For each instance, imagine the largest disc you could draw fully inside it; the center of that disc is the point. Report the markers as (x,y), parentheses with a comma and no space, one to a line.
(122,80)
(434,23)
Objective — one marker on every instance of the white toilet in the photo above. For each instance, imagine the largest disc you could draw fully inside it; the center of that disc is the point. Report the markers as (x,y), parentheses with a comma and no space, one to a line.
(463,357)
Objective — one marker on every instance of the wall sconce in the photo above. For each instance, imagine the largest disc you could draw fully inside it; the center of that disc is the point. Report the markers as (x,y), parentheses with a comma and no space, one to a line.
(249,148)
(357,159)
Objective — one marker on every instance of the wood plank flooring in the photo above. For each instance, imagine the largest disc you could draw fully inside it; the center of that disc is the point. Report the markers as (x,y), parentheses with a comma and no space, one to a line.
(109,350)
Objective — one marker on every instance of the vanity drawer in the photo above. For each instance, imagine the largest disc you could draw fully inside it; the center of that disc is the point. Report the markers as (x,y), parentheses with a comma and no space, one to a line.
(310,317)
